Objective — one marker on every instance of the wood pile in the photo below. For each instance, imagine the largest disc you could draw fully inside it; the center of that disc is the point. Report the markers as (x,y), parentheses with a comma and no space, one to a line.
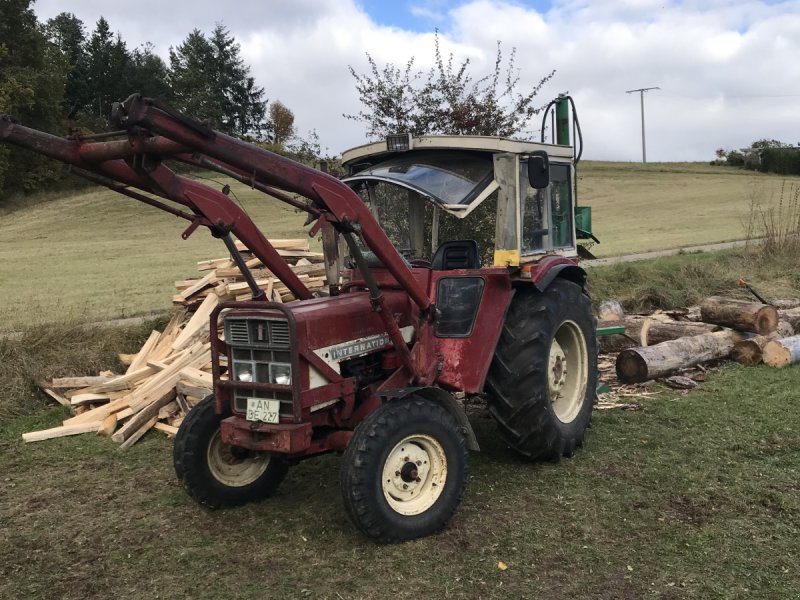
(172,371)
(665,343)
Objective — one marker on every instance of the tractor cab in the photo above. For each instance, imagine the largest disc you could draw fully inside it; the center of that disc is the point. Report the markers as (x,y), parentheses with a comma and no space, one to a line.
(471,200)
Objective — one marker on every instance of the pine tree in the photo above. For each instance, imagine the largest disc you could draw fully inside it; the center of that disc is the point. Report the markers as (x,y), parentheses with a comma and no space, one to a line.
(32,75)
(68,34)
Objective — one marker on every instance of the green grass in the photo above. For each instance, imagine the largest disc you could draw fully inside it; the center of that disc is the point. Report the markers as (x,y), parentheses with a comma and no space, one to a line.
(655,206)
(95,254)
(691,497)
(683,280)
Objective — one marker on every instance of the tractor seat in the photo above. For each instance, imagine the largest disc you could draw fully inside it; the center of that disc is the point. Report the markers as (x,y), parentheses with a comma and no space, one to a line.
(456,254)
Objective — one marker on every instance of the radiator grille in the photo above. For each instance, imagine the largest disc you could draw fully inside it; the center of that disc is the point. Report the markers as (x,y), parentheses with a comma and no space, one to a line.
(257,332)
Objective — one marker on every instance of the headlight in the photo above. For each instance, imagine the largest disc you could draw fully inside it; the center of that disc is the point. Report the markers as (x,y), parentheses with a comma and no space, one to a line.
(280,373)
(243,373)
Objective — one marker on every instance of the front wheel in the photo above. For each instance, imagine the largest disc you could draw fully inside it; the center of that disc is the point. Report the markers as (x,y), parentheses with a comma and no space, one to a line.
(404,471)
(216,474)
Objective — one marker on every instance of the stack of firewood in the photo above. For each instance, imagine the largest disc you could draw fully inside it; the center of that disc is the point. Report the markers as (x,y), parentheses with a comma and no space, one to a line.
(172,370)
(663,343)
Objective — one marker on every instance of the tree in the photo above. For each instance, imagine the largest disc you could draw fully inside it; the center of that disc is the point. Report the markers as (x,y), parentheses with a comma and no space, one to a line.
(446,100)
(108,69)
(149,75)
(281,122)
(31,88)
(68,34)
(210,80)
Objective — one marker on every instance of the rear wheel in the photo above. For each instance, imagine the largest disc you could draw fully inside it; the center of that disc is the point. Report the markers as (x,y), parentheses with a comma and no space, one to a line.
(216,474)
(543,379)
(404,471)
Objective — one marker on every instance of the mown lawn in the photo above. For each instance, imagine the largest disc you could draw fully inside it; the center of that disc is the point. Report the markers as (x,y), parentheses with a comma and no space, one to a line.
(693,496)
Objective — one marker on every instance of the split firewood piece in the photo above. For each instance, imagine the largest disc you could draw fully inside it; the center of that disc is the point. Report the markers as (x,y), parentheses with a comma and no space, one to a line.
(610,310)
(782,352)
(64,430)
(126,359)
(171,331)
(69,383)
(196,377)
(81,399)
(108,425)
(138,420)
(199,285)
(146,349)
(170,430)
(118,384)
(168,410)
(187,389)
(741,315)
(199,325)
(636,365)
(137,435)
(751,350)
(45,387)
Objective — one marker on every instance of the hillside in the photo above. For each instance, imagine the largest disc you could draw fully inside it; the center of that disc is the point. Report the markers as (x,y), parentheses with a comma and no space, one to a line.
(95,254)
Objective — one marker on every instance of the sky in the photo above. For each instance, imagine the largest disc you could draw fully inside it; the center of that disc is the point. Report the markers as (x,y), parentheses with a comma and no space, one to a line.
(728,71)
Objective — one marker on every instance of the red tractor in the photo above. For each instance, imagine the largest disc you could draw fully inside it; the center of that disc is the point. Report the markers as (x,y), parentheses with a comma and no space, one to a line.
(413,318)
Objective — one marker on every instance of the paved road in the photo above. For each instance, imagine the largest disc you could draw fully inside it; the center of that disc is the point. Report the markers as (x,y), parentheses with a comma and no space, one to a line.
(613,260)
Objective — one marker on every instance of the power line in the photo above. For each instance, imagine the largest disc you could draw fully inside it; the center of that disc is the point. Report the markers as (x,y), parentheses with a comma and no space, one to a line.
(641,97)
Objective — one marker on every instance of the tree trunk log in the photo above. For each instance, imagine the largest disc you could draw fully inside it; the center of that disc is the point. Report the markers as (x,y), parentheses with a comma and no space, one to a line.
(791,316)
(636,365)
(647,331)
(751,350)
(741,315)
(783,352)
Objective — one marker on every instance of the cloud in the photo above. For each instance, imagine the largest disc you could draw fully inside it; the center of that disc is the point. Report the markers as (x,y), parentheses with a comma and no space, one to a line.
(726,69)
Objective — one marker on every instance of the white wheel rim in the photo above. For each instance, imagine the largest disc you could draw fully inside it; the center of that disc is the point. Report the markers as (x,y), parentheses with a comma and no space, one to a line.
(567,370)
(231,468)
(414,474)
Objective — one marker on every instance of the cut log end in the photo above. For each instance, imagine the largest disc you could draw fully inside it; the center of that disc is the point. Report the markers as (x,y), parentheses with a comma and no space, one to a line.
(631,367)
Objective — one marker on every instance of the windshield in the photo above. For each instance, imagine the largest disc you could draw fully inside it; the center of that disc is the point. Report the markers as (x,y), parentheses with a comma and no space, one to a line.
(450,177)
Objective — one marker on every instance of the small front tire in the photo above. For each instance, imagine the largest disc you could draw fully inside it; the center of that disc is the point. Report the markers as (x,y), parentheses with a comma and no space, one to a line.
(216,474)
(404,471)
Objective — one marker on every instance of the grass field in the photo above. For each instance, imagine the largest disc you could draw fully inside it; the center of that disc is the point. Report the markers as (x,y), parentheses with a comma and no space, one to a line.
(93,255)
(690,497)
(656,206)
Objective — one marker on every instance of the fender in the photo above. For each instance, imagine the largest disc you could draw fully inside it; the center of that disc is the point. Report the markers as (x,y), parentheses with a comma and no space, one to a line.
(570,272)
(439,396)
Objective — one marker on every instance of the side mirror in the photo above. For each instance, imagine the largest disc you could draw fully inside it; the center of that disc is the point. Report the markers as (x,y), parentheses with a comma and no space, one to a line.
(539,169)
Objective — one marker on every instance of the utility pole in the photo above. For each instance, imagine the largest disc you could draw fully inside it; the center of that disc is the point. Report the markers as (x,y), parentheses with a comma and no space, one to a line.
(641,97)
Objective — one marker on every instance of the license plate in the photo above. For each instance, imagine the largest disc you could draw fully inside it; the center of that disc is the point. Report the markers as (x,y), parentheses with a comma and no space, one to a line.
(266,411)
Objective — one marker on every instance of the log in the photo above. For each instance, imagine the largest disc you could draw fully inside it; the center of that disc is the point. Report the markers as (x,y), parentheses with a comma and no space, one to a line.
(751,350)
(636,365)
(782,352)
(647,331)
(741,315)
(791,316)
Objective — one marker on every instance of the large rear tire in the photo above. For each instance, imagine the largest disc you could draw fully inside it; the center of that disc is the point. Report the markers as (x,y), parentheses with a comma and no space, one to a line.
(404,471)
(543,379)
(218,475)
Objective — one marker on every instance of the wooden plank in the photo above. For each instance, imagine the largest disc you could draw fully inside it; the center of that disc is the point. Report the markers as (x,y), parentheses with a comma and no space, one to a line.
(126,359)
(186,389)
(55,395)
(144,351)
(108,425)
(196,377)
(80,399)
(138,434)
(214,263)
(63,431)
(200,284)
(143,416)
(171,331)
(199,322)
(118,384)
(170,430)
(68,383)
